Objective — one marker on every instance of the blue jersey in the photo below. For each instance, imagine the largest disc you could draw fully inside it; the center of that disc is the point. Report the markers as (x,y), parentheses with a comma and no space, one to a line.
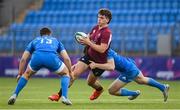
(44,53)
(45,44)
(122,64)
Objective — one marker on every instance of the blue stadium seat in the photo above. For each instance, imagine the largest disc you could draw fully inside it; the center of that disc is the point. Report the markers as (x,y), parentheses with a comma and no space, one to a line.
(132,21)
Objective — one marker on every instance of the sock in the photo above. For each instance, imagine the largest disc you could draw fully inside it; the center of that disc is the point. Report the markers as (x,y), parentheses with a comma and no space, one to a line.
(126,92)
(99,89)
(156,84)
(21,83)
(64,85)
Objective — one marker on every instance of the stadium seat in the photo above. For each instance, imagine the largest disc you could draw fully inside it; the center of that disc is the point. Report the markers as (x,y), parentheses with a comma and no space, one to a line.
(132,22)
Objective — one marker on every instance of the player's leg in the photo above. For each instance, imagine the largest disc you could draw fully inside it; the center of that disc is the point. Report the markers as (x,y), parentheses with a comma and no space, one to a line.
(64,82)
(140,79)
(34,65)
(116,88)
(54,64)
(20,85)
(77,69)
(92,81)
(57,96)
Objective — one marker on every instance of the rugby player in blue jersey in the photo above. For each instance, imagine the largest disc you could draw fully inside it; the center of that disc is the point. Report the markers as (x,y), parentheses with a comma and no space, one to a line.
(129,72)
(44,50)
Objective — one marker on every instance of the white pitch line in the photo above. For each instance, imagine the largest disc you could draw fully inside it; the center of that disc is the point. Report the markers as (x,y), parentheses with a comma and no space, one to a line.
(79,101)
(103,100)
(85,109)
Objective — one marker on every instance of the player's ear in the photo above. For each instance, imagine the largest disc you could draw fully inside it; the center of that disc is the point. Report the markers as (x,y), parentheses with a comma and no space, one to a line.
(107,19)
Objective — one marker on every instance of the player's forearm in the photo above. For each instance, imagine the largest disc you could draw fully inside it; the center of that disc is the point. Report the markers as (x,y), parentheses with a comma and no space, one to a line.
(22,66)
(26,55)
(68,64)
(106,66)
(98,48)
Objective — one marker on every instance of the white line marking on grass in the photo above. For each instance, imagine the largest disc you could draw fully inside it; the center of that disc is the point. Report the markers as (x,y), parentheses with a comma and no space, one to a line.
(85,109)
(105,100)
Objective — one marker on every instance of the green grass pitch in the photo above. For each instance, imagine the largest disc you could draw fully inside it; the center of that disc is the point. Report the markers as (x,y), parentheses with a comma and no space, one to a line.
(34,96)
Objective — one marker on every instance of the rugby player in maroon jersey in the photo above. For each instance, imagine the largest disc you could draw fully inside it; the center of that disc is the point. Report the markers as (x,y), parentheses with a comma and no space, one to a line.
(97,45)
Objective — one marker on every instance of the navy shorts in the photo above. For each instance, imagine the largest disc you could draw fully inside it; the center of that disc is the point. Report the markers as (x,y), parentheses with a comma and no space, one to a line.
(97,72)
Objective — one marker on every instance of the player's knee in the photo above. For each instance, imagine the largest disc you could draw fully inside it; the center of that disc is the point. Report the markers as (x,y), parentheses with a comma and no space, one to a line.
(75,76)
(141,81)
(110,91)
(65,74)
(90,83)
(27,75)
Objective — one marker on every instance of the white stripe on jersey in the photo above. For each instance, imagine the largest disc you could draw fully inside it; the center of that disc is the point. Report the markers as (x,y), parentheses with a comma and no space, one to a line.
(110,39)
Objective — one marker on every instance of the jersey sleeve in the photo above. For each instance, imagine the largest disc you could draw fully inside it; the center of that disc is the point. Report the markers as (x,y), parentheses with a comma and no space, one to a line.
(109,54)
(30,47)
(106,37)
(60,47)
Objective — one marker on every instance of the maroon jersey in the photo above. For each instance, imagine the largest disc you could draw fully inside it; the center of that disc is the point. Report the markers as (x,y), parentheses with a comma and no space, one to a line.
(99,36)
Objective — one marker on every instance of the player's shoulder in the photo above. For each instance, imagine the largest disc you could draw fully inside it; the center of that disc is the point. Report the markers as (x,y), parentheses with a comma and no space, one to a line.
(54,39)
(96,27)
(50,37)
(107,29)
(37,38)
(60,43)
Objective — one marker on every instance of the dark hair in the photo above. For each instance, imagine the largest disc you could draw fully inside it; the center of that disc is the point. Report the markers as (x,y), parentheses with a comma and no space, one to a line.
(45,31)
(105,12)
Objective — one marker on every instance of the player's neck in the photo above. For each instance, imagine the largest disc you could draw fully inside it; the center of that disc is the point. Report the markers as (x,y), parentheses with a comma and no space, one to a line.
(102,26)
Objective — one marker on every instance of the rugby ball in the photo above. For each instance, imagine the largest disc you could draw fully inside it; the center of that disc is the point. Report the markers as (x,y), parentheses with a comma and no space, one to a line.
(80,35)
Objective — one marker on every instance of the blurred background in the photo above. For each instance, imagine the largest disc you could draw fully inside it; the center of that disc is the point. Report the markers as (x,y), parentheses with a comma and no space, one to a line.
(146,30)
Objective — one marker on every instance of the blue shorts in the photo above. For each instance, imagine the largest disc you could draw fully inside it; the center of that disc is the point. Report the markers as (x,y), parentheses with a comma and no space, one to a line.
(47,60)
(129,76)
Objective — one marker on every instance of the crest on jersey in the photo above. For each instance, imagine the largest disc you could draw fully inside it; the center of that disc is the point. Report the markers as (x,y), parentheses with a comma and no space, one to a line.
(94,31)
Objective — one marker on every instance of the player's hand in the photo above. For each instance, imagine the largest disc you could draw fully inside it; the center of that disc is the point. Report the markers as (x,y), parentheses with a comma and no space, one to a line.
(18,77)
(73,67)
(92,65)
(71,76)
(85,41)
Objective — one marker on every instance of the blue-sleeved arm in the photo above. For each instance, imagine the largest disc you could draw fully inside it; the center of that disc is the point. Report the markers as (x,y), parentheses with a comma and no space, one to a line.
(60,47)
(109,57)
(30,47)
(110,54)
